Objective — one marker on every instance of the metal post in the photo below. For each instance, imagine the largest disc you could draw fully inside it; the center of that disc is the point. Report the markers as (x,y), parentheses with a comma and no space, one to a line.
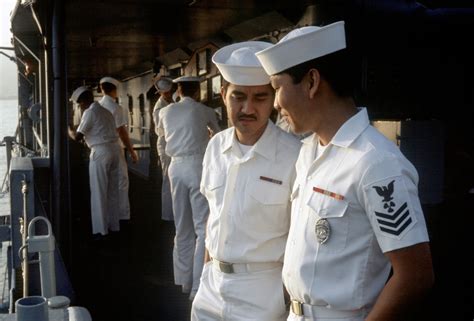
(24,232)
(60,152)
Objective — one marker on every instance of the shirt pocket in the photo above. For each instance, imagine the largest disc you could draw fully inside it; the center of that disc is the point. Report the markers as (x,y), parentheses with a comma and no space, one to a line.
(267,193)
(334,211)
(266,206)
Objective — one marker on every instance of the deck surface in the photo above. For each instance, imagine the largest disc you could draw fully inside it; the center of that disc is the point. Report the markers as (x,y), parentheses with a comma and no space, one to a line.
(130,277)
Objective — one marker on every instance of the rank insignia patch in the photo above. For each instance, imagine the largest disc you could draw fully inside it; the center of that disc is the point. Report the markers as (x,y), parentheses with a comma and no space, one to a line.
(391,207)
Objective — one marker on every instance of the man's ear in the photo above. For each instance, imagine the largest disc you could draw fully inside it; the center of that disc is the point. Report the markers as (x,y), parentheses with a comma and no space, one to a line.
(314,79)
(223,93)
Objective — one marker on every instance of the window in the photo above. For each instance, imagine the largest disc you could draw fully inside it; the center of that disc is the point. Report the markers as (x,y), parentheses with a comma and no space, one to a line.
(204,90)
(216,86)
(202,63)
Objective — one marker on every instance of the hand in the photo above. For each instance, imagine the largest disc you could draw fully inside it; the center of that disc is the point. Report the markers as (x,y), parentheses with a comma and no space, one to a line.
(134,156)
(165,163)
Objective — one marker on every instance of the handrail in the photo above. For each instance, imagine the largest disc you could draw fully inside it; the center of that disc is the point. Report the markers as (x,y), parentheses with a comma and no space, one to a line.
(24,231)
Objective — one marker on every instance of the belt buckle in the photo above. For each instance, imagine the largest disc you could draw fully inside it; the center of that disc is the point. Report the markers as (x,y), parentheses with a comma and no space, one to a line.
(226,267)
(297,307)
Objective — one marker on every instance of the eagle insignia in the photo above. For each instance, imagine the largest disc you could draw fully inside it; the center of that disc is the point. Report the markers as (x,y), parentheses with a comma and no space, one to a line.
(386,192)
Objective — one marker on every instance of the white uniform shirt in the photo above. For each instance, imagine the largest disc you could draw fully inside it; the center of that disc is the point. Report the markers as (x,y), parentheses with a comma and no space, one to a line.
(367,191)
(161,102)
(249,196)
(97,125)
(116,110)
(183,126)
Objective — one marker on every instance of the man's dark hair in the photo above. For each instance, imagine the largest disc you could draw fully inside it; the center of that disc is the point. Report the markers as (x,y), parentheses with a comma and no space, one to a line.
(189,88)
(335,68)
(86,96)
(107,87)
(224,84)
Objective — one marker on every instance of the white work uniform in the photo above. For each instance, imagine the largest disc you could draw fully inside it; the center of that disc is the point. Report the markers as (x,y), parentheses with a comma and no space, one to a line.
(365,191)
(184,127)
(120,120)
(97,126)
(249,201)
(166,204)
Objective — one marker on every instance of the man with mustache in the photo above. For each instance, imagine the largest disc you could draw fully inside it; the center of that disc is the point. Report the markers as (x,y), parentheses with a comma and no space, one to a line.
(355,211)
(248,171)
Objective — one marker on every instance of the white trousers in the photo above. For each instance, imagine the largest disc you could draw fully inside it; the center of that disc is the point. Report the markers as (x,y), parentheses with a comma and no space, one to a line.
(124,203)
(104,186)
(190,210)
(166,201)
(256,296)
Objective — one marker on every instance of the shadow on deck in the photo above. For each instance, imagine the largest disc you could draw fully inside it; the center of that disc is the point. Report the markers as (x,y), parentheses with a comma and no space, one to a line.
(130,276)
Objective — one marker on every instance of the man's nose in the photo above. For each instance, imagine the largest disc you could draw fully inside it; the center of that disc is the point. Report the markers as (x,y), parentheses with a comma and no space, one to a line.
(248,107)
(276,105)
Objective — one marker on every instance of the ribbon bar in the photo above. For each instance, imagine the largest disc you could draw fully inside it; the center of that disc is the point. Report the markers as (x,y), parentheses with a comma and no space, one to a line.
(328,193)
(271,180)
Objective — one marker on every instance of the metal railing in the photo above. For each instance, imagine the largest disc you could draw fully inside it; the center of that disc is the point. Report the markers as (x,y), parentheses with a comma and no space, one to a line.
(23,252)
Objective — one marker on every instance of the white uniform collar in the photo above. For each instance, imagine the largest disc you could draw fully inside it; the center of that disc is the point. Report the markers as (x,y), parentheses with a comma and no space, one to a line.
(186,98)
(265,146)
(351,129)
(109,98)
(348,132)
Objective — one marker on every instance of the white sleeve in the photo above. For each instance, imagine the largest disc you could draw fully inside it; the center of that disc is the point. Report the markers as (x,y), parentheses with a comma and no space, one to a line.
(86,123)
(390,194)
(160,131)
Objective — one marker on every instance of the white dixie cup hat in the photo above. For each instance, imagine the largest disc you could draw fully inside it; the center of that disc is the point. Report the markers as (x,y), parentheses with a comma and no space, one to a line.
(110,80)
(78,92)
(238,64)
(301,45)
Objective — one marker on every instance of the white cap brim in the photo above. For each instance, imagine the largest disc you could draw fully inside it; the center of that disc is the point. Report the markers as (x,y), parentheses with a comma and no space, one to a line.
(78,92)
(301,45)
(110,80)
(238,64)
(187,79)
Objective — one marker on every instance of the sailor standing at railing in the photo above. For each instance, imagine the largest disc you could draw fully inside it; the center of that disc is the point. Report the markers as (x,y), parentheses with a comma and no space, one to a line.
(97,128)
(185,128)
(248,172)
(109,87)
(164,86)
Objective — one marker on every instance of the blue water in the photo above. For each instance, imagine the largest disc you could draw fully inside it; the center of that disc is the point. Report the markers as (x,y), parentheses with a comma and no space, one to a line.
(8,123)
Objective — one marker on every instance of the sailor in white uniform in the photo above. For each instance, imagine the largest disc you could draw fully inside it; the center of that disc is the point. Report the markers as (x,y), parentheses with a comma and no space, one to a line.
(355,208)
(97,127)
(109,87)
(164,85)
(248,172)
(184,126)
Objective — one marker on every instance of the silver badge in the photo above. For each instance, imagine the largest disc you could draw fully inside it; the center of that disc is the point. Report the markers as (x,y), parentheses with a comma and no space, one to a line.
(322,230)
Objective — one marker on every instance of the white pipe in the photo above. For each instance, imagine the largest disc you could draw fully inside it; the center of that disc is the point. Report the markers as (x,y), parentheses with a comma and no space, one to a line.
(44,245)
